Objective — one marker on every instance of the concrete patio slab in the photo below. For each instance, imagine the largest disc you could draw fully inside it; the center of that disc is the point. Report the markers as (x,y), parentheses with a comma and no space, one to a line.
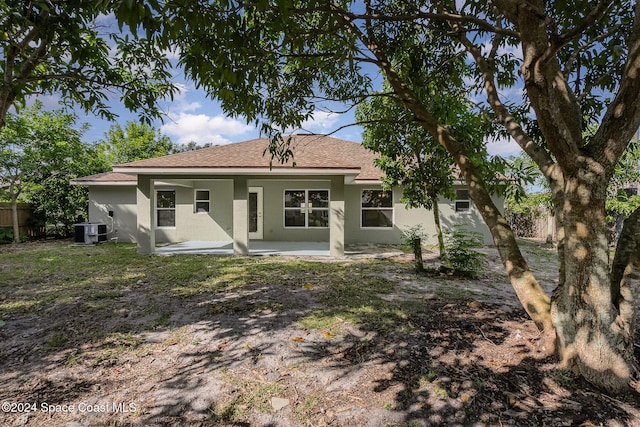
(261,247)
(255,248)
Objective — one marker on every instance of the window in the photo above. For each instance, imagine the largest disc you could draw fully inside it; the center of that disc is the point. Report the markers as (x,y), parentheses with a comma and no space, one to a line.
(306,208)
(463,204)
(202,202)
(377,209)
(166,208)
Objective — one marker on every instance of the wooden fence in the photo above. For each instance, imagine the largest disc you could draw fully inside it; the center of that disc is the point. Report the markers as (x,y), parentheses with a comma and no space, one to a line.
(539,225)
(25,213)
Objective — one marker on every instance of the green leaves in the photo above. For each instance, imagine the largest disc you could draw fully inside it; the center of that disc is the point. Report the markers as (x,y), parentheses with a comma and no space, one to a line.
(40,152)
(138,141)
(57,48)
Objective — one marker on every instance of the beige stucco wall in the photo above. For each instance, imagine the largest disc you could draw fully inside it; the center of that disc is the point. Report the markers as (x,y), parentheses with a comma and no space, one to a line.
(471,219)
(404,218)
(218,223)
(273,214)
(122,201)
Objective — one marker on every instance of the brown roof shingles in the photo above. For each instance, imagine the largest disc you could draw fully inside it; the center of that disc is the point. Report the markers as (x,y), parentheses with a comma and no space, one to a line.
(106,177)
(309,152)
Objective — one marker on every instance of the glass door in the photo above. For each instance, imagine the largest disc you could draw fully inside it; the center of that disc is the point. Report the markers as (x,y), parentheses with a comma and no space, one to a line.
(255,213)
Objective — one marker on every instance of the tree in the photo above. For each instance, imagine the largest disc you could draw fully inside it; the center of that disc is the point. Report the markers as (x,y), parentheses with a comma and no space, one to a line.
(409,155)
(55,47)
(17,166)
(622,198)
(138,141)
(276,61)
(190,146)
(40,152)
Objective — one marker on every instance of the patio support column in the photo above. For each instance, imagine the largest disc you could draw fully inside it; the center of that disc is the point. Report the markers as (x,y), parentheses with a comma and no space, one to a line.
(146,237)
(336,217)
(240,216)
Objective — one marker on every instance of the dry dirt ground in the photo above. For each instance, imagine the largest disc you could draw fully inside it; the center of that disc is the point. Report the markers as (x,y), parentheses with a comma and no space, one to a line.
(464,354)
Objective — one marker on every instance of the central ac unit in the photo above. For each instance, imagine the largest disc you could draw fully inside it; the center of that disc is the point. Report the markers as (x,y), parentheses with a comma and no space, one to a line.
(87,233)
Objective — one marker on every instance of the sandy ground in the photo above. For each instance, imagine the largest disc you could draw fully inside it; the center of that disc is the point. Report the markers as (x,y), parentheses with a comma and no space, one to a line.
(241,358)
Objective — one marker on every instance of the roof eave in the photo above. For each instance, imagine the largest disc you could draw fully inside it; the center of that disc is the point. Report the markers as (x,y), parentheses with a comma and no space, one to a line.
(104,183)
(235,171)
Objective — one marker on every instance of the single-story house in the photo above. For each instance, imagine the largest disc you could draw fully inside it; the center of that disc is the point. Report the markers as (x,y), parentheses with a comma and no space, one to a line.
(330,192)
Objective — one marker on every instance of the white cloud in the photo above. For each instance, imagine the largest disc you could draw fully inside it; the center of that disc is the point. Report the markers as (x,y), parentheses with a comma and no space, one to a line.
(180,103)
(503,147)
(321,121)
(203,129)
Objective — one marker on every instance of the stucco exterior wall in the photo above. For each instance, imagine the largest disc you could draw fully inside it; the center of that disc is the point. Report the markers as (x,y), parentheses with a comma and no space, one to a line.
(404,218)
(217,224)
(471,219)
(122,201)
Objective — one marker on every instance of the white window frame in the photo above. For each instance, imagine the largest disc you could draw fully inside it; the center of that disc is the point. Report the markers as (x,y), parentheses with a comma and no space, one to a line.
(462,200)
(390,208)
(157,209)
(196,201)
(305,207)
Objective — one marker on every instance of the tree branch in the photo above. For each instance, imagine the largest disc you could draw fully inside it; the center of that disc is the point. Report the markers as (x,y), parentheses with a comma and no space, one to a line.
(510,123)
(585,23)
(622,118)
(534,299)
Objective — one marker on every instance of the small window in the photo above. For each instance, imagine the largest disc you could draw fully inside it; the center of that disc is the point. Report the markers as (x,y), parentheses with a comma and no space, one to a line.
(377,209)
(463,204)
(202,201)
(166,208)
(306,208)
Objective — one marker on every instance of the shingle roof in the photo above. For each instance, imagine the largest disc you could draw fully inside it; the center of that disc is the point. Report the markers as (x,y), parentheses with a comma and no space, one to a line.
(107,178)
(310,152)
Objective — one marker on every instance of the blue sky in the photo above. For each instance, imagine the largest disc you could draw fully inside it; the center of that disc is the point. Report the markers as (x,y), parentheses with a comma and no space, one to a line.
(192,116)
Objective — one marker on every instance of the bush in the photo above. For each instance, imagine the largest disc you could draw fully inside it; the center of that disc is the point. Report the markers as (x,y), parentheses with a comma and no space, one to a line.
(460,256)
(6,235)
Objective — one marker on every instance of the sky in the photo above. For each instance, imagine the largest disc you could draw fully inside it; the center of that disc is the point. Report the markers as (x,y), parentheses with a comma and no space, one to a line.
(193,116)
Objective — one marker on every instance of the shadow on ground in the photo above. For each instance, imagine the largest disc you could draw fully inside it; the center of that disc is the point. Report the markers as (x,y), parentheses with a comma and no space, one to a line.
(272,342)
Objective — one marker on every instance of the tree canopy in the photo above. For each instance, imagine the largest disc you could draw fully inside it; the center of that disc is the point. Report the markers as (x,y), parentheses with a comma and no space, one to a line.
(40,153)
(58,47)
(565,65)
(137,141)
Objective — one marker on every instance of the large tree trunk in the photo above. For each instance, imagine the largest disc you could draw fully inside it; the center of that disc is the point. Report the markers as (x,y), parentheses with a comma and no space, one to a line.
(14,216)
(586,316)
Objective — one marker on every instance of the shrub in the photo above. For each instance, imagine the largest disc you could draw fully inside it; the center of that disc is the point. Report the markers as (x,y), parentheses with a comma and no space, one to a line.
(460,256)
(6,235)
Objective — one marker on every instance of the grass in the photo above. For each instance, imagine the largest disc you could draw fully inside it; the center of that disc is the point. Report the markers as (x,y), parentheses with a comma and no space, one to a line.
(250,395)
(133,293)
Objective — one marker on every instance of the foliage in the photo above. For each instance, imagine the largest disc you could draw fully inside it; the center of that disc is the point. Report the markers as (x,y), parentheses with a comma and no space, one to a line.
(46,152)
(574,63)
(6,235)
(460,256)
(58,47)
(412,240)
(190,146)
(137,141)
(621,201)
